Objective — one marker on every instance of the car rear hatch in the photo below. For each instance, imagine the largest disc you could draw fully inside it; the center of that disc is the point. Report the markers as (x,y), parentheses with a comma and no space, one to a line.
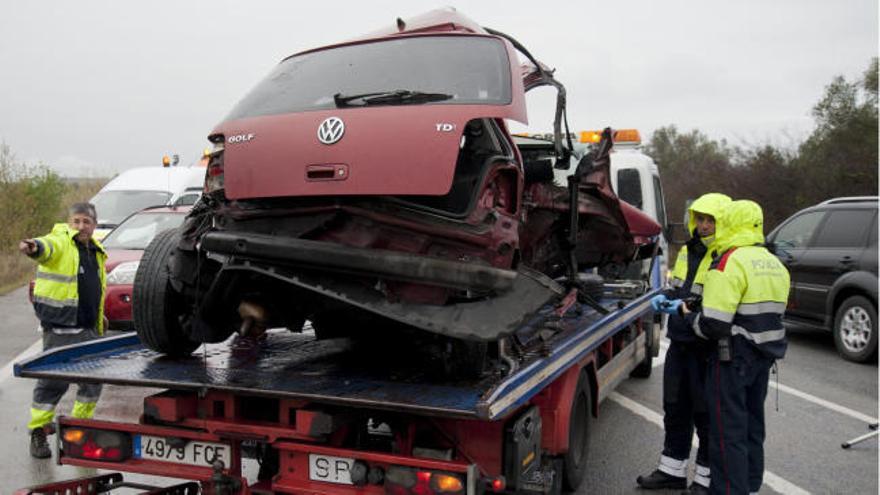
(375,117)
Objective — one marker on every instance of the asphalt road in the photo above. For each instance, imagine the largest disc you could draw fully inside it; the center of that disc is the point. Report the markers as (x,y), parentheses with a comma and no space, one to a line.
(822,402)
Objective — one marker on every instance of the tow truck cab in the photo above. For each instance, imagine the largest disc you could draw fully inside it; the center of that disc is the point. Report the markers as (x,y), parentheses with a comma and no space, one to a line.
(634,176)
(636,180)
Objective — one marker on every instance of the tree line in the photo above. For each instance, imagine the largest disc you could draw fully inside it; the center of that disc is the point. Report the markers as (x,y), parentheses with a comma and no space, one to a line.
(839,158)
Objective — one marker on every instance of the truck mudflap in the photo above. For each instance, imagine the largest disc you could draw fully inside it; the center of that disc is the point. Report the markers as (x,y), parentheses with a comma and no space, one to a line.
(485,320)
(297,366)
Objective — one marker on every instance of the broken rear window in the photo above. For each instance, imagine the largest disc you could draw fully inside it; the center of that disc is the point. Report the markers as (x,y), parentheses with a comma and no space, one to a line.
(470,69)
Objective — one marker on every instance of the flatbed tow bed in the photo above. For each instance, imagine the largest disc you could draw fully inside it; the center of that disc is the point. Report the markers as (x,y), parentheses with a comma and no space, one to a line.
(296,397)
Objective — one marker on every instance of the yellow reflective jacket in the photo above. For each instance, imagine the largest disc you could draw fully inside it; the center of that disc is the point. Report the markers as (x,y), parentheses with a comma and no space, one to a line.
(707,204)
(746,288)
(56,295)
(691,266)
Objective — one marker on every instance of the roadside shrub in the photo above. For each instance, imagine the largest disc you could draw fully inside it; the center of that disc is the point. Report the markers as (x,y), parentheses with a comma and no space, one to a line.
(32,199)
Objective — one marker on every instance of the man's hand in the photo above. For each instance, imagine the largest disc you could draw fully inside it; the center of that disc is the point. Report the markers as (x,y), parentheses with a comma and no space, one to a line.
(658,301)
(28,247)
(671,306)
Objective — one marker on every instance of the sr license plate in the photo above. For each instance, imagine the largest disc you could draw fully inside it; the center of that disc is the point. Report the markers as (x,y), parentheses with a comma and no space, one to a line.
(194,453)
(330,469)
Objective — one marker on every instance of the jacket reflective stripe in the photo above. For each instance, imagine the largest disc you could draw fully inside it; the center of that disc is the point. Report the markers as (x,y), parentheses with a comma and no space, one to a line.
(56,316)
(56,277)
(65,303)
(697,289)
(672,466)
(43,407)
(760,308)
(759,337)
(677,282)
(51,249)
(718,314)
(696,326)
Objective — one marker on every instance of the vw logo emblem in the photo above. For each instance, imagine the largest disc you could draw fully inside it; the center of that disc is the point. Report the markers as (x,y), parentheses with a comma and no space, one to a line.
(331,130)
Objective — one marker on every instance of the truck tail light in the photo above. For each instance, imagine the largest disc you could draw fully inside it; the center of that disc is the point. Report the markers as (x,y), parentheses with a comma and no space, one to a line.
(214,171)
(401,480)
(496,485)
(102,445)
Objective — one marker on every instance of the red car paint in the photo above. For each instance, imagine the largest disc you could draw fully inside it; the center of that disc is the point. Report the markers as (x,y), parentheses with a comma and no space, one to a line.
(387,150)
(117,298)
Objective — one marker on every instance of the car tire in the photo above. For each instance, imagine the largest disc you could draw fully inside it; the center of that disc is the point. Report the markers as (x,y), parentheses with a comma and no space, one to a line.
(579,426)
(156,306)
(855,329)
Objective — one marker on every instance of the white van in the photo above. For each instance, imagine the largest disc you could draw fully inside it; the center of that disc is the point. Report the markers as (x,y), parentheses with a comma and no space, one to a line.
(138,188)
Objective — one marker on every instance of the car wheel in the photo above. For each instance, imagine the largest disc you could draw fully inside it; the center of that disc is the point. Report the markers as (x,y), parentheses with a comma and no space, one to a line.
(855,329)
(156,306)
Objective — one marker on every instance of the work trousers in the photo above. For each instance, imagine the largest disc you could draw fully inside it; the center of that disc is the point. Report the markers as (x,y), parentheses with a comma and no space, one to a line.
(736,391)
(47,393)
(684,409)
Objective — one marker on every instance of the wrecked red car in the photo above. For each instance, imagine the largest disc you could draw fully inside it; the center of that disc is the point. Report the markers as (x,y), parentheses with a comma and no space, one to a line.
(372,188)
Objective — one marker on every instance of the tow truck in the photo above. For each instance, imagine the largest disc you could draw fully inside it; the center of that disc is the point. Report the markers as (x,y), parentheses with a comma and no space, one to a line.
(453,332)
(323,419)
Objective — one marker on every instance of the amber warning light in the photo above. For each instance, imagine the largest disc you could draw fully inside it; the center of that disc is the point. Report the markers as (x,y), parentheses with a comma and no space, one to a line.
(621,136)
(630,136)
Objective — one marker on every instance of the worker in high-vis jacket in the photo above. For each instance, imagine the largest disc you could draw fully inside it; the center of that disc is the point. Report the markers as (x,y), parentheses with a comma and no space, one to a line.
(684,370)
(744,299)
(69,302)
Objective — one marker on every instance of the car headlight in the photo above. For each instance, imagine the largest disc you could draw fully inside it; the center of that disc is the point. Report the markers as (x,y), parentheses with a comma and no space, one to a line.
(123,274)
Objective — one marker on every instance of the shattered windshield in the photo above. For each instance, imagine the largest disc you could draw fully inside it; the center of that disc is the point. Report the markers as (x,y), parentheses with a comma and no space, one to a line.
(463,69)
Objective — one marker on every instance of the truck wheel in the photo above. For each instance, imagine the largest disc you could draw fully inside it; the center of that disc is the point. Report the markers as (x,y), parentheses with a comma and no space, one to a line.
(156,306)
(855,329)
(575,460)
(643,370)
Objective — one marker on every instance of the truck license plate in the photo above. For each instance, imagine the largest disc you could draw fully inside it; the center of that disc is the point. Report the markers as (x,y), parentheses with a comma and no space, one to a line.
(194,453)
(330,469)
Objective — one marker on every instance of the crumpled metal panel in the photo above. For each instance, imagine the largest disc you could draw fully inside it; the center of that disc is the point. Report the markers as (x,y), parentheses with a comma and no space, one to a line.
(485,320)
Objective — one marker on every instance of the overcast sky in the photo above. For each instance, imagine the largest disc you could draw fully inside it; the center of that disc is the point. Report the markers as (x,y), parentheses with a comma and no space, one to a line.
(94,87)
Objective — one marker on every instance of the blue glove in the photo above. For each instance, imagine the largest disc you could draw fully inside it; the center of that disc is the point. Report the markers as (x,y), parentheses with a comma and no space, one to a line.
(670,306)
(658,301)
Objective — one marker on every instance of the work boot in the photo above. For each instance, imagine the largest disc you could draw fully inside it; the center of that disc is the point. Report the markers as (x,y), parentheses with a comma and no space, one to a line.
(696,489)
(39,446)
(658,480)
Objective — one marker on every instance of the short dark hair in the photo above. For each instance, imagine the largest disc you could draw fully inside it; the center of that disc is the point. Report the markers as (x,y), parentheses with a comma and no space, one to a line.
(87,209)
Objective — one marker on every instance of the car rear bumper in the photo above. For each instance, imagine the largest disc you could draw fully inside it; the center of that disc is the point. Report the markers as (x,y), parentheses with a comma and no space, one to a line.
(359,261)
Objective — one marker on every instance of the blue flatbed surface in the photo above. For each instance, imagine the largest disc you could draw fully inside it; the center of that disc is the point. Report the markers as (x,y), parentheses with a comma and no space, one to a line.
(335,371)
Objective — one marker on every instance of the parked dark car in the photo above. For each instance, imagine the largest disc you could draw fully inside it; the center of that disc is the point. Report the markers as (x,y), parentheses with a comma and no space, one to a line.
(831,251)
